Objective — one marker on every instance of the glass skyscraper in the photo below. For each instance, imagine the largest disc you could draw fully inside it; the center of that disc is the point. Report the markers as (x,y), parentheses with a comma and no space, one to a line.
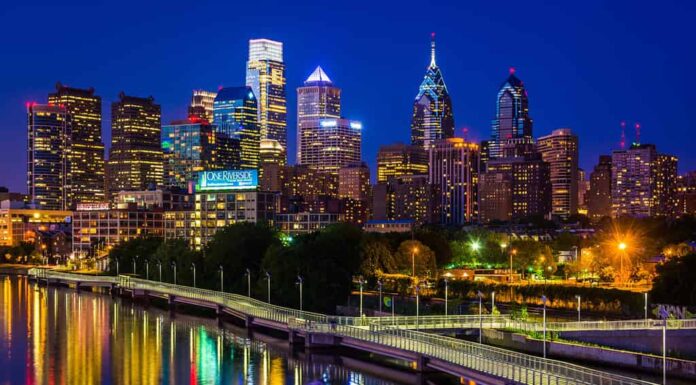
(512,123)
(432,117)
(202,104)
(85,149)
(47,135)
(135,158)
(265,75)
(235,113)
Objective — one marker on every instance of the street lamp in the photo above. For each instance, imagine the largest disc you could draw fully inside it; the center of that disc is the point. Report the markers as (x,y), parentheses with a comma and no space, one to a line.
(361,281)
(222,276)
(578,298)
(147,269)
(193,267)
(446,292)
(417,304)
(159,265)
(622,248)
(174,268)
(379,285)
(268,278)
(117,268)
(480,297)
(413,261)
(492,301)
(134,258)
(248,275)
(543,300)
(645,307)
(299,282)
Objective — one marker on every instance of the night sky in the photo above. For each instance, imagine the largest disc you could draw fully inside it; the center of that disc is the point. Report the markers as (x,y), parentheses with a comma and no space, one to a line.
(587,65)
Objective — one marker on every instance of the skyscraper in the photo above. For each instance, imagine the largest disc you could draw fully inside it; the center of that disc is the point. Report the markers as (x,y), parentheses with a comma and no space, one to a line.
(560,150)
(202,104)
(643,182)
(325,141)
(85,149)
(432,117)
(354,182)
(47,143)
(266,76)
(599,196)
(512,123)
(454,169)
(193,145)
(396,160)
(235,113)
(135,157)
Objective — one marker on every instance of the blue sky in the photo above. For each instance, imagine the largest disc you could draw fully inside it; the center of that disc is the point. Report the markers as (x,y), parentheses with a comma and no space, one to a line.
(587,64)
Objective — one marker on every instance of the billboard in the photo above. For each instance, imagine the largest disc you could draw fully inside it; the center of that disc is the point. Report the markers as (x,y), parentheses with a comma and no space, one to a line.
(227,180)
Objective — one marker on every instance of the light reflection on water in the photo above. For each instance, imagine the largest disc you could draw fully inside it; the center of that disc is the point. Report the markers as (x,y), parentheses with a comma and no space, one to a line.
(59,336)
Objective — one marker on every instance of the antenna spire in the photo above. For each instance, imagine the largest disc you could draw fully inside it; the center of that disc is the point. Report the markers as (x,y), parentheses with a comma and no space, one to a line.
(637,126)
(432,49)
(623,135)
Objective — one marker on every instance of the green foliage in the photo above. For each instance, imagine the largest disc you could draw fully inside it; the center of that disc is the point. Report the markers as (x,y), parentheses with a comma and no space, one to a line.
(376,256)
(139,249)
(674,282)
(415,253)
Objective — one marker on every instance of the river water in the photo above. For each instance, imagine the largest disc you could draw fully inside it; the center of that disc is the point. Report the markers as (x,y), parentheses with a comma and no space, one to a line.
(61,336)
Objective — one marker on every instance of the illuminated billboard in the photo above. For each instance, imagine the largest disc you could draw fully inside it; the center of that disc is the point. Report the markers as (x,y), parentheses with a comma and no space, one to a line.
(227,180)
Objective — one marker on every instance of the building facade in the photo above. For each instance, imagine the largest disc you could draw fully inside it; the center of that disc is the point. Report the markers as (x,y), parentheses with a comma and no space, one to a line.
(19,223)
(397,160)
(135,157)
(512,120)
(454,169)
(408,197)
(432,117)
(354,182)
(599,195)
(47,160)
(686,194)
(85,149)
(202,104)
(265,75)
(304,223)
(560,151)
(235,114)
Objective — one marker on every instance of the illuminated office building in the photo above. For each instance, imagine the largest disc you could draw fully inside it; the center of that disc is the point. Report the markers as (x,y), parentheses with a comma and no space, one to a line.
(432,117)
(354,181)
(19,223)
(304,223)
(193,145)
(512,121)
(643,182)
(265,75)
(47,146)
(235,113)
(396,160)
(599,195)
(317,99)
(686,194)
(331,144)
(85,150)
(454,169)
(302,188)
(406,197)
(202,104)
(135,157)
(583,188)
(271,160)
(560,151)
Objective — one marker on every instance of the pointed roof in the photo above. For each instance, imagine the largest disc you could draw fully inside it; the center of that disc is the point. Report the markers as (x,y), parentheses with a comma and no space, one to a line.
(513,80)
(318,76)
(432,50)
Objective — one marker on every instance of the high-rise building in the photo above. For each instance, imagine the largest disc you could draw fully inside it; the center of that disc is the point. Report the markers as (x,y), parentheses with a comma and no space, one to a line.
(432,117)
(599,195)
(354,182)
(47,147)
(454,169)
(202,104)
(583,188)
(325,141)
(643,182)
(235,113)
(271,159)
(135,157)
(85,149)
(515,187)
(686,194)
(407,197)
(193,145)
(396,160)
(560,151)
(512,121)
(266,76)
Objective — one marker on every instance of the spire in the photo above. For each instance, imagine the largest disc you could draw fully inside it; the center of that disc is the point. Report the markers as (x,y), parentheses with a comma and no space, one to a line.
(318,76)
(432,50)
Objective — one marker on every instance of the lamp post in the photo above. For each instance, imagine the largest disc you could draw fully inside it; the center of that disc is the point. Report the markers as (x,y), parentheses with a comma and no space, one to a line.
(117,268)
(174,268)
(193,267)
(379,285)
(413,261)
(543,300)
(446,293)
(645,307)
(622,248)
(134,258)
(480,297)
(248,275)
(417,304)
(299,282)
(361,282)
(222,276)
(492,302)
(159,265)
(268,278)
(147,269)
(578,298)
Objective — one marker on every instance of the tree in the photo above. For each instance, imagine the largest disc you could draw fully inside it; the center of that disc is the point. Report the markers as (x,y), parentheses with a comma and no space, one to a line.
(376,257)
(179,252)
(674,281)
(139,249)
(414,252)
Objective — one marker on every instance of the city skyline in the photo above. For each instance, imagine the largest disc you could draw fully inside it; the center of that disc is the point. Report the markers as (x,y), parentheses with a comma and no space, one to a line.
(473,102)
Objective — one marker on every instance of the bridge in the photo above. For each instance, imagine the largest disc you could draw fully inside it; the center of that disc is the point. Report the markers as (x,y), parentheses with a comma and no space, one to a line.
(427,352)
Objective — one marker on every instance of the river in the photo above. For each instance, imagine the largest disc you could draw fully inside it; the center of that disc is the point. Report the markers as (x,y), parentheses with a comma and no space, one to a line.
(61,336)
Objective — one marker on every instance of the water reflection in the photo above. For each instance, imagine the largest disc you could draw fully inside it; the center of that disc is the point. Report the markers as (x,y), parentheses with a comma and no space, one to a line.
(59,336)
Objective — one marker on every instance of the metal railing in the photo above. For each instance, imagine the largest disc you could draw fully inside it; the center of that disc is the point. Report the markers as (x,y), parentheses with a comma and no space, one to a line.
(644,324)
